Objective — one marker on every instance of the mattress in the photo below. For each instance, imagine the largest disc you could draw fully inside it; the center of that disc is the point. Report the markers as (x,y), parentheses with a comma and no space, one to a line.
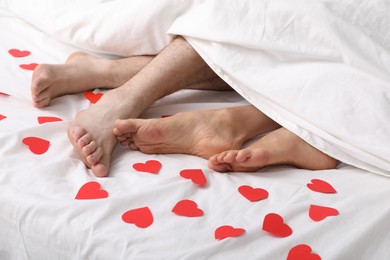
(162,206)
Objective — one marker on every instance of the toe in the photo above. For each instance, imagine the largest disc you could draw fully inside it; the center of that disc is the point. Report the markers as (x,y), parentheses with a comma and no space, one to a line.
(95,157)
(84,140)
(89,148)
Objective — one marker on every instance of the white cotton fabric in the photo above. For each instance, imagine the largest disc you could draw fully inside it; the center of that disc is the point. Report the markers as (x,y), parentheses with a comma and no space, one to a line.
(319,68)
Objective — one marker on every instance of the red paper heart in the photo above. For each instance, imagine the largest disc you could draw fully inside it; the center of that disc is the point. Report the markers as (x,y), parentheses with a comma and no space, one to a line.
(302,252)
(187,208)
(4,94)
(141,217)
(318,213)
(36,145)
(151,166)
(48,119)
(91,190)
(223,232)
(2,117)
(274,224)
(93,97)
(30,66)
(18,53)
(253,194)
(320,186)
(195,175)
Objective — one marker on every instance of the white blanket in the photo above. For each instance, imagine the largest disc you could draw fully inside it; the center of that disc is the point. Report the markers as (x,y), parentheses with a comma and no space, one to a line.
(319,68)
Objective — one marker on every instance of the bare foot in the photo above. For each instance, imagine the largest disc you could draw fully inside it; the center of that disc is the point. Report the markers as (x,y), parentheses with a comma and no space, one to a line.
(200,133)
(278,147)
(80,73)
(91,131)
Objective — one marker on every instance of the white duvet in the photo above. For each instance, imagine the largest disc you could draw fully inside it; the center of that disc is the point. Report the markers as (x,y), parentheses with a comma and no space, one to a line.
(319,68)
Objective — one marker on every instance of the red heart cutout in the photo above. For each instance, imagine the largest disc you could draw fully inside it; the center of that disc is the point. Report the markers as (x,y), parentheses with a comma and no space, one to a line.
(274,224)
(36,145)
(151,166)
(4,94)
(318,213)
(30,66)
(48,119)
(253,194)
(320,186)
(302,252)
(2,117)
(195,175)
(223,232)
(91,190)
(18,53)
(92,97)
(187,208)
(141,217)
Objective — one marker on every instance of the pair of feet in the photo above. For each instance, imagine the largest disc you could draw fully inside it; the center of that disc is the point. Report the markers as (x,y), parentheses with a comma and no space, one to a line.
(216,135)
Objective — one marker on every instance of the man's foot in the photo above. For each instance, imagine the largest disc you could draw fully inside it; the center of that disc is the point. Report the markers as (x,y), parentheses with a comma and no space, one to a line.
(91,131)
(200,133)
(278,147)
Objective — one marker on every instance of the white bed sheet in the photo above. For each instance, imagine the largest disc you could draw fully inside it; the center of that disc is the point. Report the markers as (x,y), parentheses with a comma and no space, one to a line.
(40,218)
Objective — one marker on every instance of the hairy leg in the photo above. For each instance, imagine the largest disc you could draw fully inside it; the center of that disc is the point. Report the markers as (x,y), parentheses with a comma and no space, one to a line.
(278,147)
(176,67)
(82,72)
(202,133)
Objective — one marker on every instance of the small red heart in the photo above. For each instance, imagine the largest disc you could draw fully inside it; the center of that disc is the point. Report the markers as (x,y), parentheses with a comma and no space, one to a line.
(318,213)
(187,208)
(91,190)
(223,232)
(151,166)
(195,175)
(18,53)
(48,119)
(302,252)
(4,94)
(253,194)
(320,186)
(2,117)
(36,145)
(93,97)
(141,217)
(274,224)
(30,66)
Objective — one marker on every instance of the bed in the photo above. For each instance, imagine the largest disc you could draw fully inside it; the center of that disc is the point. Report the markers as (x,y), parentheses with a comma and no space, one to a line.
(173,206)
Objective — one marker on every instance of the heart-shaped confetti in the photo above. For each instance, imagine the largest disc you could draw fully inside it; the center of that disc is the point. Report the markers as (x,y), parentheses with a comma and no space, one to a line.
(141,217)
(223,232)
(36,145)
(91,190)
(253,194)
(187,208)
(318,213)
(92,97)
(18,53)
(195,175)
(302,252)
(320,186)
(274,224)
(48,119)
(151,166)
(30,66)
(2,117)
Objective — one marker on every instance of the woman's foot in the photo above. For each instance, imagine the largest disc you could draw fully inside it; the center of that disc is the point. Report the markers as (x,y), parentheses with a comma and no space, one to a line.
(278,147)
(80,73)
(200,133)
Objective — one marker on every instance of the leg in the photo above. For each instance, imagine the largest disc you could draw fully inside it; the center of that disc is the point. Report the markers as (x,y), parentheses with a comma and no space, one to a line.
(201,133)
(83,72)
(176,67)
(278,147)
